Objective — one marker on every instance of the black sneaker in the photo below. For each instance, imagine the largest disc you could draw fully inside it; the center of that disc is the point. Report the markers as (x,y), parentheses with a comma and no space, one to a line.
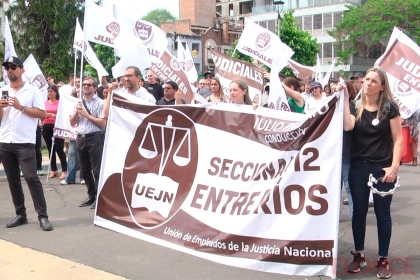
(382,269)
(357,264)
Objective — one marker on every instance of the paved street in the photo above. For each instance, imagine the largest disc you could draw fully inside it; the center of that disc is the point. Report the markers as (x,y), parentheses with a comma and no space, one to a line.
(77,250)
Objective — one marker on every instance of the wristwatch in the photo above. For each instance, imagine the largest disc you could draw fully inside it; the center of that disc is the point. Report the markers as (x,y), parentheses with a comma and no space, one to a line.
(23,109)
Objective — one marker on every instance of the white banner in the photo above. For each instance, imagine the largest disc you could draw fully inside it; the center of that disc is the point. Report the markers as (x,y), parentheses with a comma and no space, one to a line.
(34,75)
(185,59)
(401,61)
(274,209)
(9,47)
(263,45)
(66,106)
(152,36)
(80,44)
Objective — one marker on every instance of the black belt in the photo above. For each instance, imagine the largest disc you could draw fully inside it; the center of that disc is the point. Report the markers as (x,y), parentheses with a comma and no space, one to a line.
(88,135)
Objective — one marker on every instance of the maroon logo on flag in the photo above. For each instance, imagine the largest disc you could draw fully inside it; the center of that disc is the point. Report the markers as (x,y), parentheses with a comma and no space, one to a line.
(175,65)
(114,29)
(263,41)
(188,65)
(39,81)
(160,167)
(401,89)
(143,31)
(81,44)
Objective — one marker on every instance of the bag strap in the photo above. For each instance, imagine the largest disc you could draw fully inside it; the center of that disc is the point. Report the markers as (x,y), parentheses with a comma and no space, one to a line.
(86,108)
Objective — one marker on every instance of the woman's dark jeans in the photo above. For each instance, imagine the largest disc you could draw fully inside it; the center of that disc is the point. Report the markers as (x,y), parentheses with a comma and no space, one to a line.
(358,178)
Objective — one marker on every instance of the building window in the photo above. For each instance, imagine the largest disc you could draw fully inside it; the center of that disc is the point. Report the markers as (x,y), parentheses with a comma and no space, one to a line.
(299,22)
(307,23)
(327,20)
(231,13)
(317,21)
(321,2)
(328,52)
(338,17)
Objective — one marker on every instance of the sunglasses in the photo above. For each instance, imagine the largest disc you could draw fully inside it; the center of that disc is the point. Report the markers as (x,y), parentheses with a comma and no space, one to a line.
(13,67)
(87,85)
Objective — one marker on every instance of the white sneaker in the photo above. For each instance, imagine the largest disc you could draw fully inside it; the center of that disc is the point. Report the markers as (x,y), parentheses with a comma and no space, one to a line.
(82,182)
(64,182)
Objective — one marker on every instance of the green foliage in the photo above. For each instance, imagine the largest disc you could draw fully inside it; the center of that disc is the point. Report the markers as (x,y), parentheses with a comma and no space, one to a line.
(46,29)
(238,54)
(365,30)
(301,42)
(159,16)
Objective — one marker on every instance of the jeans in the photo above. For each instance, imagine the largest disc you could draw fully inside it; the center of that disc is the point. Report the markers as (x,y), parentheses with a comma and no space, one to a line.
(23,155)
(345,166)
(73,163)
(358,178)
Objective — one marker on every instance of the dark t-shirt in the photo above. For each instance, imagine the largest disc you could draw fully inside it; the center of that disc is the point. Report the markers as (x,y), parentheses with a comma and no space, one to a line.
(155,89)
(372,140)
(100,92)
(170,102)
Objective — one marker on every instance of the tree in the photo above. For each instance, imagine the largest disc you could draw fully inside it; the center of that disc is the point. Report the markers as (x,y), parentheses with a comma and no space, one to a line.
(238,54)
(301,42)
(159,16)
(365,29)
(106,56)
(46,29)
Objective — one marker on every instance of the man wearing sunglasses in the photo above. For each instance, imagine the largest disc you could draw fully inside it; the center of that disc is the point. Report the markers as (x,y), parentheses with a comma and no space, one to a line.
(89,118)
(21,106)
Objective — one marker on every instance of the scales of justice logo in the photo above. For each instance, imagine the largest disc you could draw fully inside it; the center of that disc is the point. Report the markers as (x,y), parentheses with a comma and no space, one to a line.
(160,167)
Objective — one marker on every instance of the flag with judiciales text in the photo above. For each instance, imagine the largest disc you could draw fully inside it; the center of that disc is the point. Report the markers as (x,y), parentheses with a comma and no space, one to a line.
(34,75)
(263,45)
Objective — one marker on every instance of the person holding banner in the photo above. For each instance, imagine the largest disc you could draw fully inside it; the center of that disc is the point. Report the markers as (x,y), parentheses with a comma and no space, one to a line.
(21,108)
(239,93)
(314,103)
(217,91)
(375,158)
(89,118)
(51,107)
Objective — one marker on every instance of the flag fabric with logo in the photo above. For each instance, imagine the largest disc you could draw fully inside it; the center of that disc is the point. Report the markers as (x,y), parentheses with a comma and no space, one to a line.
(185,59)
(229,68)
(301,71)
(9,47)
(80,44)
(63,129)
(34,76)
(263,45)
(149,34)
(401,61)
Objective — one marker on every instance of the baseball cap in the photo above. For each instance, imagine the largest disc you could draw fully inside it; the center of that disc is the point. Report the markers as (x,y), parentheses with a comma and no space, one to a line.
(314,85)
(13,60)
(357,75)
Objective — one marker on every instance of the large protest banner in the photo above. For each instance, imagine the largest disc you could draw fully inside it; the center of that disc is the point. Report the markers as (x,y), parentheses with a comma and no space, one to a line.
(267,199)
(229,68)
(401,61)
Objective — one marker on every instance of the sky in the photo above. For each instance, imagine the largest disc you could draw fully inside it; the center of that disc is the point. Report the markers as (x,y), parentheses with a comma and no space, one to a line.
(139,8)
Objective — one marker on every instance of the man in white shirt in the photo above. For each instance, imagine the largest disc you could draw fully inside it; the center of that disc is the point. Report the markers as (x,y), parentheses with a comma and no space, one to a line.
(19,114)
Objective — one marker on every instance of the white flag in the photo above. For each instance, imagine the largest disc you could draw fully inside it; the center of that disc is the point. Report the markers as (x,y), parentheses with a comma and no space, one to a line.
(80,44)
(134,54)
(318,73)
(63,129)
(34,76)
(9,47)
(263,45)
(327,76)
(185,59)
(277,98)
(152,36)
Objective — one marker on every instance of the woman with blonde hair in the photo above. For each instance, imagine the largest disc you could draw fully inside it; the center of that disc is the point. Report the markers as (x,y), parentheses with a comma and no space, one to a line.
(239,93)
(375,152)
(217,91)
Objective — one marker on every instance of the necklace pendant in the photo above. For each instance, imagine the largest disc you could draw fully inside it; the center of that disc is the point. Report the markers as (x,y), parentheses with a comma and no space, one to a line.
(375,122)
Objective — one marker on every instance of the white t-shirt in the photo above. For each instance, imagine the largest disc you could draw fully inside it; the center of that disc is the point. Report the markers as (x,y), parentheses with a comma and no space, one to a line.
(144,95)
(17,126)
(312,105)
(66,89)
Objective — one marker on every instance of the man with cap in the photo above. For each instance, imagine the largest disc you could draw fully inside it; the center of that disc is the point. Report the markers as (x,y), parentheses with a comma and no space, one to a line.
(357,80)
(21,108)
